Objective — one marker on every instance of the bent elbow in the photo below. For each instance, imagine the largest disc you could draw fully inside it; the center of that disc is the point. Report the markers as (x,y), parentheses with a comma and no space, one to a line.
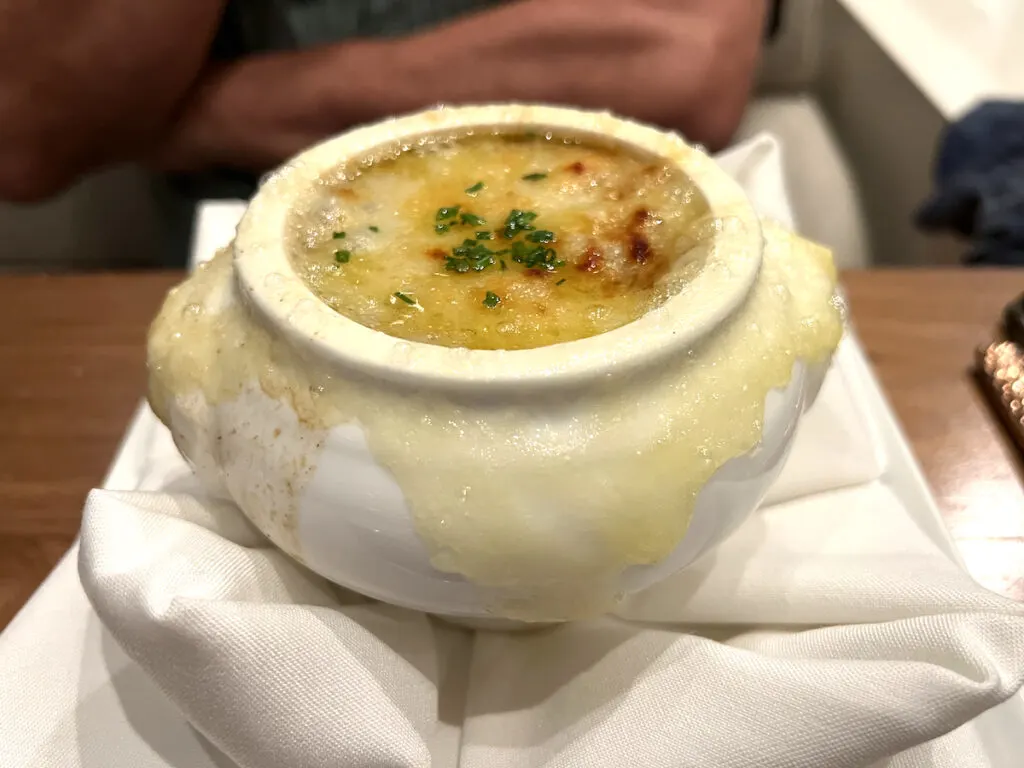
(722,69)
(28,175)
(719,119)
(708,116)
(720,102)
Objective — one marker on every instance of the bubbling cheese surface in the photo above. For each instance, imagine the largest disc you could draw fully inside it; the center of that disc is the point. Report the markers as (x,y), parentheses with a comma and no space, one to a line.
(500,241)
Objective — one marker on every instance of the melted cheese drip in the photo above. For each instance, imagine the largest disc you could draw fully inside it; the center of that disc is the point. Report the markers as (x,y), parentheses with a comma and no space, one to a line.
(625,228)
(617,471)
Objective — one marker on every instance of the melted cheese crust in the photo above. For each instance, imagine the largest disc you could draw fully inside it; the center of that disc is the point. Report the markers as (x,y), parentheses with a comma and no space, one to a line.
(625,234)
(551,512)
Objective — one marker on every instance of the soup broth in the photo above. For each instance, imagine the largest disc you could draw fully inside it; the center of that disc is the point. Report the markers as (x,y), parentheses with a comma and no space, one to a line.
(499,241)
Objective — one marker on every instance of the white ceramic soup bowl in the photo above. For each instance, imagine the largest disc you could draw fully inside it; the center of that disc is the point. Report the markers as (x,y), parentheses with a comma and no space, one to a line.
(537,484)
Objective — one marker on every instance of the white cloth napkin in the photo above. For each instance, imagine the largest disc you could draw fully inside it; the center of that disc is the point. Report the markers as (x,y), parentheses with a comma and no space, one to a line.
(828,631)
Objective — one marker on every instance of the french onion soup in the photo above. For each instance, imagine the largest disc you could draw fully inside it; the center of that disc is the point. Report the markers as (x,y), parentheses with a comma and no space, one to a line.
(500,241)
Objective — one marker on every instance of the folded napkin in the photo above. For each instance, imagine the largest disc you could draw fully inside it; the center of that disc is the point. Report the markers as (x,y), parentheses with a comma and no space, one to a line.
(828,631)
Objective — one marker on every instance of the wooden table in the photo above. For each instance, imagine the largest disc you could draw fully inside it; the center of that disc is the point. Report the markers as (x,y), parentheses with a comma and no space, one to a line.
(71,357)
(920,329)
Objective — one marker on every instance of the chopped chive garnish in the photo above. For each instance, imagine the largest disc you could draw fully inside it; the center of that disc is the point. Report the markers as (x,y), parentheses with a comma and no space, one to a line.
(518,221)
(339,235)
(444,214)
(403,297)
(536,256)
(534,176)
(342,257)
(374,229)
(471,220)
(491,300)
(560,281)
(471,256)
(534,250)
(475,188)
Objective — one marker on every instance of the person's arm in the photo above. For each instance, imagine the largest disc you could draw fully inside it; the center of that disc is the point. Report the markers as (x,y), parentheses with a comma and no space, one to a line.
(686,64)
(88,82)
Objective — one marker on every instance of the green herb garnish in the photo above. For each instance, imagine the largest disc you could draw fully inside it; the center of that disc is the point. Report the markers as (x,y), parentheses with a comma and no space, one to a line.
(535,256)
(560,281)
(491,300)
(471,256)
(533,251)
(339,235)
(403,297)
(475,188)
(471,220)
(374,229)
(342,257)
(534,176)
(518,221)
(444,214)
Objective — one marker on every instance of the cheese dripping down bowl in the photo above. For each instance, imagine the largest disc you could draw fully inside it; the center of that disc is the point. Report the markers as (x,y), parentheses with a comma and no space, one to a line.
(496,362)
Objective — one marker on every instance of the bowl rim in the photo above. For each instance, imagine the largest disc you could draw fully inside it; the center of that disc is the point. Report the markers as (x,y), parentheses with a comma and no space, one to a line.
(269,283)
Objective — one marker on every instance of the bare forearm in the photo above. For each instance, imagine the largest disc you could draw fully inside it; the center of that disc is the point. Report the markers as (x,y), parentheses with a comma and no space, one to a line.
(681,63)
(83,82)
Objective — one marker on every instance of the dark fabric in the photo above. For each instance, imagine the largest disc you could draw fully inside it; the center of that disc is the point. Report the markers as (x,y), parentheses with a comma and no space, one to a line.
(979,184)
(774,21)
